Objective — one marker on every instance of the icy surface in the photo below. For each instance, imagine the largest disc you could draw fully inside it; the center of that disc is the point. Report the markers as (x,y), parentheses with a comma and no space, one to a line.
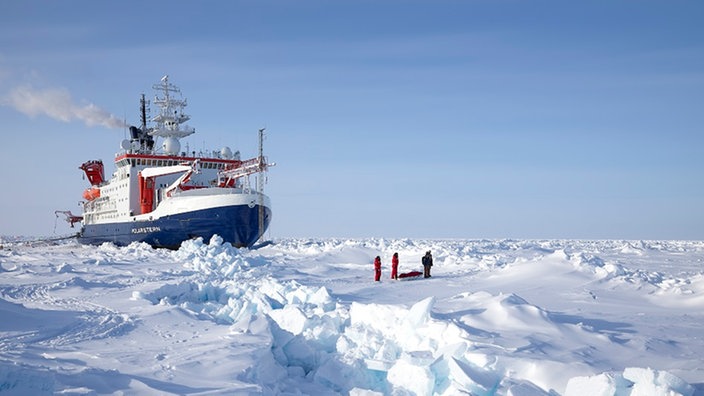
(497,317)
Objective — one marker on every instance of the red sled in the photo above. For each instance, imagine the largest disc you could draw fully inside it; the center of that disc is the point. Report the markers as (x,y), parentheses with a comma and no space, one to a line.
(410,275)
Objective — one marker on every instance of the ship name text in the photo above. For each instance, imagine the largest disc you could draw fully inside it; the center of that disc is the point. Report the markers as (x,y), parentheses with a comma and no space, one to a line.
(145,230)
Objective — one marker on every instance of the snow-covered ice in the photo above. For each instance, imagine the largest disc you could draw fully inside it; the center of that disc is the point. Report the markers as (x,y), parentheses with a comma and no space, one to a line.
(303,316)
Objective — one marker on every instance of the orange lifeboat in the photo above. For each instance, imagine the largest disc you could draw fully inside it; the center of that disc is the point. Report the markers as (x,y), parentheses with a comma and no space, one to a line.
(91,193)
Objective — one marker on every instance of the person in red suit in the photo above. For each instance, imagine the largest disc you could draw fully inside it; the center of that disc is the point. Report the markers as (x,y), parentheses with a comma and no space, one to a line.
(394,266)
(377,269)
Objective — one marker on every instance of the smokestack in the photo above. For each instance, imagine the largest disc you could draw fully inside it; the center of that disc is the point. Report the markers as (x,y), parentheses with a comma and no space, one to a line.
(57,104)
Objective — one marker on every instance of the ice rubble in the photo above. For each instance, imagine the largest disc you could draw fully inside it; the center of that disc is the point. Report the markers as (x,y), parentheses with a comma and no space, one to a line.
(366,349)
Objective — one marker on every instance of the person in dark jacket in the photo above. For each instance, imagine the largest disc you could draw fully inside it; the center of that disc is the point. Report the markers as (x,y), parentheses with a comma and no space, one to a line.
(427,261)
(394,266)
(377,269)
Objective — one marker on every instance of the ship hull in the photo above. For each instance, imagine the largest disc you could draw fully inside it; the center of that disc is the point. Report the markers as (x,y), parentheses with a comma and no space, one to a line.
(237,224)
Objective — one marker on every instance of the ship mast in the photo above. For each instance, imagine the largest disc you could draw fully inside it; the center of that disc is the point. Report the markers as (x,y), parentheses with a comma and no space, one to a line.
(171,115)
(260,181)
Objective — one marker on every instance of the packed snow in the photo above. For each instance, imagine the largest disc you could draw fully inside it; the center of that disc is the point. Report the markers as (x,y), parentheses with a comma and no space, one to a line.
(304,316)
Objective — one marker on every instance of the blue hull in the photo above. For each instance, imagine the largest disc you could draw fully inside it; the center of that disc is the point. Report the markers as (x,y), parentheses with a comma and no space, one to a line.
(238,225)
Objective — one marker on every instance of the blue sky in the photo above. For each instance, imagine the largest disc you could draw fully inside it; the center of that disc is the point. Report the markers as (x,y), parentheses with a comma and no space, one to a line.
(419,119)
